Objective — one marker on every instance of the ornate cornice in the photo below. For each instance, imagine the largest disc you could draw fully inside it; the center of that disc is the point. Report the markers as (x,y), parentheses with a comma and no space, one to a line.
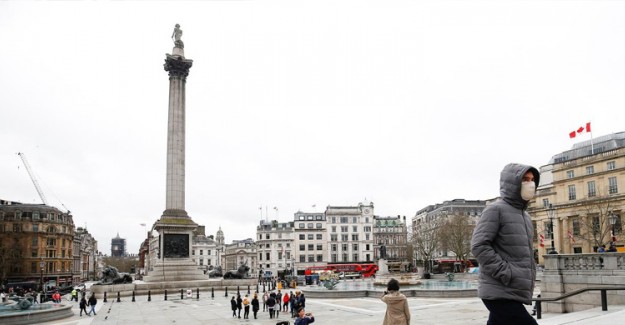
(177,66)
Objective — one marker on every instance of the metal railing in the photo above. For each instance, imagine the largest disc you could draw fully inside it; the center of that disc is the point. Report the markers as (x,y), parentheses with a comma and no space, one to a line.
(604,297)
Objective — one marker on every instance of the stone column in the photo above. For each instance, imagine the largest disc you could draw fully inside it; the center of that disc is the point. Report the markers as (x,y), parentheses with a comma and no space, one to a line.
(178,68)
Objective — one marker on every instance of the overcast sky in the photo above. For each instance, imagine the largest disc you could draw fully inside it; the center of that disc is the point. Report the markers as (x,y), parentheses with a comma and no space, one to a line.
(292,104)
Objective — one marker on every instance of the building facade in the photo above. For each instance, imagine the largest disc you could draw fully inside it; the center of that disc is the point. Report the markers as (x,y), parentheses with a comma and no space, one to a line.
(275,247)
(580,200)
(240,252)
(204,250)
(350,233)
(89,255)
(310,240)
(36,244)
(392,233)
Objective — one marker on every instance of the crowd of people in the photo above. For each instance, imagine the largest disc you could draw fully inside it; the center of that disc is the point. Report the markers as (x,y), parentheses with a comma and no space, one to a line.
(273,303)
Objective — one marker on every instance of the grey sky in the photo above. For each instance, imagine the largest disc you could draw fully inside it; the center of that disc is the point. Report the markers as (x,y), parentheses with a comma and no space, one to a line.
(292,103)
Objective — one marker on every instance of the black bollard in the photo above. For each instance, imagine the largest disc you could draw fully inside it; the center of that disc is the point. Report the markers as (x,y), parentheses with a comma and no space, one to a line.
(248,289)
(181,295)
(226,292)
(212,293)
(118,300)
(165,294)
(104,296)
(149,295)
(257,287)
(133,296)
(197,290)
(238,291)
(264,288)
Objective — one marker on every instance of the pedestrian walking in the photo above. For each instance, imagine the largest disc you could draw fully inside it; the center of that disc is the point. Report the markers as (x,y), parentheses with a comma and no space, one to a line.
(502,243)
(397,312)
(271,303)
(83,306)
(255,305)
(285,302)
(92,302)
(74,294)
(265,297)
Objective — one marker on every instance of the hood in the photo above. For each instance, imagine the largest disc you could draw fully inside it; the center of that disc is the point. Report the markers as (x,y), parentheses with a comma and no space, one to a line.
(395,296)
(510,183)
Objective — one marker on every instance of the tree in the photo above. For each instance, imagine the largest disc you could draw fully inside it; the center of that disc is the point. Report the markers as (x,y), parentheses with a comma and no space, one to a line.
(456,233)
(426,240)
(593,223)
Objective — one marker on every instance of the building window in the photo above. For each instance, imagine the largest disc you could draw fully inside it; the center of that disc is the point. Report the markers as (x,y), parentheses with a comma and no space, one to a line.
(366,236)
(354,237)
(35,241)
(355,247)
(592,191)
(344,247)
(302,258)
(576,231)
(35,227)
(302,236)
(613,187)
(577,250)
(201,252)
(302,247)
(201,261)
(268,255)
(570,174)
(318,225)
(344,237)
(319,236)
(302,225)
(333,237)
(596,225)
(344,220)
(318,217)
(547,226)
(333,219)
(355,258)
(319,247)
(590,170)
(572,195)
(36,215)
(319,258)
(18,215)
(545,203)
(310,226)
(354,219)
(344,229)
(611,165)
(311,247)
(345,258)
(335,258)
(367,228)
(311,236)
(367,247)
(309,218)
(260,256)
(333,247)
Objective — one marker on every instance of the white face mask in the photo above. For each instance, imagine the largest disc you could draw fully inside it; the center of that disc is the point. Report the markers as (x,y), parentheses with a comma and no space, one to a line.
(528,189)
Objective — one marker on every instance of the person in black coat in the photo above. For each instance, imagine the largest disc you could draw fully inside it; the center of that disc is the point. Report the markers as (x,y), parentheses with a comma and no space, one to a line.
(255,305)
(233,305)
(239,304)
(271,304)
(83,305)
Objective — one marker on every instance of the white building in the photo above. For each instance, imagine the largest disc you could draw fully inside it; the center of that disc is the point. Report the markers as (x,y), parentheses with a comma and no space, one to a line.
(275,247)
(350,233)
(238,253)
(311,240)
(204,249)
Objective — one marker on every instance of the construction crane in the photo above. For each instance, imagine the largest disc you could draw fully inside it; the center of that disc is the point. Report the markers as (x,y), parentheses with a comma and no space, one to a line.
(33,178)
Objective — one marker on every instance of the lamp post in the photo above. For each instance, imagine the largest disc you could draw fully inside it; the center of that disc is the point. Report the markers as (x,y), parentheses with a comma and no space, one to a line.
(551,212)
(612,218)
(42,264)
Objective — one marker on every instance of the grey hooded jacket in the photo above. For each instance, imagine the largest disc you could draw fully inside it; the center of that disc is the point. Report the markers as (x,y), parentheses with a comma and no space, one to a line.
(502,242)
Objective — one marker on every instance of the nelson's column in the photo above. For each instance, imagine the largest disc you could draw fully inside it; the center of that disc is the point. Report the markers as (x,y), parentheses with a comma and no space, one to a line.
(175,227)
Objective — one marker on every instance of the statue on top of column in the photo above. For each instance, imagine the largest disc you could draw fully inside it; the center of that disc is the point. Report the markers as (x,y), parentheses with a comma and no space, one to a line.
(176,37)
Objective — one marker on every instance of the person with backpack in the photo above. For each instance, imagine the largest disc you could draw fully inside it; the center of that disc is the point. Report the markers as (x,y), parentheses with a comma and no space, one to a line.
(246,304)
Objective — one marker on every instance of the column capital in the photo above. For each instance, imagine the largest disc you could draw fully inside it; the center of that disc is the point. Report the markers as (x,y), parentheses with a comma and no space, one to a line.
(177,66)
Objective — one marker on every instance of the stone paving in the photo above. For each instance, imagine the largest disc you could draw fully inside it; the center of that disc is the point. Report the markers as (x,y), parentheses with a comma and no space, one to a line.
(327,311)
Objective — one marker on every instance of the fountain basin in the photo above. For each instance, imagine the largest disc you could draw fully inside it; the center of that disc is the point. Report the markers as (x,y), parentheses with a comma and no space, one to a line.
(36,314)
(366,288)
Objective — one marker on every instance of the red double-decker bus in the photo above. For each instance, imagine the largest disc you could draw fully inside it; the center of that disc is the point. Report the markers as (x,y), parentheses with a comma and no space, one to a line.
(364,269)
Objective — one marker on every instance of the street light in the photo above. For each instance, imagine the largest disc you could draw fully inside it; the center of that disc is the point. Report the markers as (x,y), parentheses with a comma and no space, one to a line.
(551,212)
(42,264)
(612,218)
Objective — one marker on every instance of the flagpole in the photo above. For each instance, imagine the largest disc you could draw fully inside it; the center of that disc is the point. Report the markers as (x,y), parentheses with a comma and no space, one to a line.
(592,148)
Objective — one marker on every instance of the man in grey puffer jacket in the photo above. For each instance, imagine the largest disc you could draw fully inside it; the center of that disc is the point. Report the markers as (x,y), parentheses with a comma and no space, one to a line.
(502,243)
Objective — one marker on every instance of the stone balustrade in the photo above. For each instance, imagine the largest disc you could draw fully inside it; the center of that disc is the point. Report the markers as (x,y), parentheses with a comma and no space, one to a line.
(568,272)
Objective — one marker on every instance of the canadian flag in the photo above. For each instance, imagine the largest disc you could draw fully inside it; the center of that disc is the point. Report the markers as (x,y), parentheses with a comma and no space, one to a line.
(542,240)
(580,130)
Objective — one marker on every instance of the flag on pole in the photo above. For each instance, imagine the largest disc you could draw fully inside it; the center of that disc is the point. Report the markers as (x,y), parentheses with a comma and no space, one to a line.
(580,130)
(542,240)
(571,237)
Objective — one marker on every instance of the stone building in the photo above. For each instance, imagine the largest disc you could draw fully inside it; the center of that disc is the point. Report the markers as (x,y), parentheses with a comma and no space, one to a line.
(204,249)
(579,195)
(238,253)
(36,244)
(392,233)
(310,240)
(350,233)
(89,255)
(275,247)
